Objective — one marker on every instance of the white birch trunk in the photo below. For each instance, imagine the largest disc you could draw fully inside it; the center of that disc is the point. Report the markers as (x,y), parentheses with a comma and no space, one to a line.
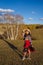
(12,33)
(7,33)
(17,31)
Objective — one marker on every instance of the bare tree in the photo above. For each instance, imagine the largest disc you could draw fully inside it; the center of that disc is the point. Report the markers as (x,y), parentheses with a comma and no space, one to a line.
(6,21)
(12,19)
(19,20)
(1,19)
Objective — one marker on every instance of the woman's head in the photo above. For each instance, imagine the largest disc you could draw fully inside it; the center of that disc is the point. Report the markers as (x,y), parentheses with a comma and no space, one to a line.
(27,32)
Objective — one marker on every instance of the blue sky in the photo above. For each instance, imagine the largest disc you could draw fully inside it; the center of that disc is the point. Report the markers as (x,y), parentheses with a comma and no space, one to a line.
(31,10)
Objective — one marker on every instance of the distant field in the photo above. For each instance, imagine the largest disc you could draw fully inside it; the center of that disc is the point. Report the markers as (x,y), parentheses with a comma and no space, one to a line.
(11,51)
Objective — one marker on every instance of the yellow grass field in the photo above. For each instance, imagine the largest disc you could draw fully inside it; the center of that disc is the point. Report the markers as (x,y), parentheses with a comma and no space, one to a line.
(11,51)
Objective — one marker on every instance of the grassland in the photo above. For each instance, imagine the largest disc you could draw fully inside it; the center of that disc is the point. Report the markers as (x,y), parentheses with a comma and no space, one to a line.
(11,51)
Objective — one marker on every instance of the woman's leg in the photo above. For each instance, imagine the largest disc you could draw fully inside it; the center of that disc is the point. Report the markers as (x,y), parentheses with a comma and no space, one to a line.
(24,53)
(29,54)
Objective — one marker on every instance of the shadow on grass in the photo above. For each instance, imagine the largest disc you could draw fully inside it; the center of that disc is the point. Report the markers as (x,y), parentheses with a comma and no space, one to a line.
(14,48)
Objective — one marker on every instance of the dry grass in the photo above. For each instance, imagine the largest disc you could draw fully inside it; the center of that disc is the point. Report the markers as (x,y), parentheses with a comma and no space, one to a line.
(11,51)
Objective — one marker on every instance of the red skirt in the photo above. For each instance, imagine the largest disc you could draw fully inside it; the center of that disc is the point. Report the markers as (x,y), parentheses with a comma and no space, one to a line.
(27,44)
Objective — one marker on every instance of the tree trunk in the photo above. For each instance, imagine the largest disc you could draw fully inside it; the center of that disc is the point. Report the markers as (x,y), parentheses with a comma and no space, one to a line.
(17,31)
(12,33)
(7,33)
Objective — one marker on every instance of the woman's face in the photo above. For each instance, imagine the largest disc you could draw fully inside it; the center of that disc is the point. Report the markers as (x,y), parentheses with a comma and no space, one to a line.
(27,32)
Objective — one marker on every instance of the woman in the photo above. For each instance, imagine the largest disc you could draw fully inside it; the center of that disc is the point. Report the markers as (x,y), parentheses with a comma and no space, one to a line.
(27,44)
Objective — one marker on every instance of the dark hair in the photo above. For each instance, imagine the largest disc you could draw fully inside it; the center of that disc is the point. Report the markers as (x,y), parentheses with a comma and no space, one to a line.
(27,34)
